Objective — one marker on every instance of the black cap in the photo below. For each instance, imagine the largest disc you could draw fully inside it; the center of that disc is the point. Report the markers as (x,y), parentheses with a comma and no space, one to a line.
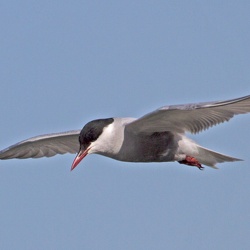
(92,130)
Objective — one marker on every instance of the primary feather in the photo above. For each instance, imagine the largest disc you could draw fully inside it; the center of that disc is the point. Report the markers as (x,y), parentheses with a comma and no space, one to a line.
(43,146)
(191,117)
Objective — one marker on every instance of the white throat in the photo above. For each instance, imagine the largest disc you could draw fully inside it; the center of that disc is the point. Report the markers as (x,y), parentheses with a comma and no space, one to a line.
(110,141)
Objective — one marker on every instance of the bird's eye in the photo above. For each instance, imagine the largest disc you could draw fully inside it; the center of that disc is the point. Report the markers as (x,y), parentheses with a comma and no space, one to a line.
(89,137)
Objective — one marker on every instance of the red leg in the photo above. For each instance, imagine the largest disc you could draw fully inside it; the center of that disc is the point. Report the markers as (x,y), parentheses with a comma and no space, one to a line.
(191,161)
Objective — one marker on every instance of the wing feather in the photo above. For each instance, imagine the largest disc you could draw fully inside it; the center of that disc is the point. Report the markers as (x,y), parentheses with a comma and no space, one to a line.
(190,117)
(43,146)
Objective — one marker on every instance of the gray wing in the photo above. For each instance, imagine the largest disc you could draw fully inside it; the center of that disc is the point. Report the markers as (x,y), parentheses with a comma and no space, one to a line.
(43,146)
(190,117)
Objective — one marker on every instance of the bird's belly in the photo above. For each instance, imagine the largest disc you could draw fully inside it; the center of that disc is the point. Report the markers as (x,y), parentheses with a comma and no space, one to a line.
(156,147)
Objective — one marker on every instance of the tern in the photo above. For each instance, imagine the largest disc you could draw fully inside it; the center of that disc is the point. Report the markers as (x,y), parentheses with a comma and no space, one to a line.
(158,136)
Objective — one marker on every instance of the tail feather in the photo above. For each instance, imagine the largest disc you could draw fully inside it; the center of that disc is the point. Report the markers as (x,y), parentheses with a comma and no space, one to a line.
(210,158)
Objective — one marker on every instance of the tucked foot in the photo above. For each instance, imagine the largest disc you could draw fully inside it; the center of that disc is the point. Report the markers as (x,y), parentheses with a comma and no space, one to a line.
(191,161)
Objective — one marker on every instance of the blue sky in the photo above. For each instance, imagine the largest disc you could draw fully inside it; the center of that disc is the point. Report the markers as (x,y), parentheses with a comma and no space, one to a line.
(65,63)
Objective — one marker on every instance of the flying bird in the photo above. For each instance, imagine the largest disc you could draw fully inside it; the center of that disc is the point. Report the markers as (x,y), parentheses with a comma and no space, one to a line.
(158,136)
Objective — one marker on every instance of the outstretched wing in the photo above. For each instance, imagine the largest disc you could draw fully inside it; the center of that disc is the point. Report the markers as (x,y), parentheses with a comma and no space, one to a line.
(190,117)
(44,146)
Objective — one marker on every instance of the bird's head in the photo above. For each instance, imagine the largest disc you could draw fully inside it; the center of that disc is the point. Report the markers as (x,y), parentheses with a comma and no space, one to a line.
(88,138)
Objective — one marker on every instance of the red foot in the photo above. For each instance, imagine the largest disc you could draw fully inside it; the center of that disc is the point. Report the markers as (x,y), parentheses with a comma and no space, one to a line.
(191,161)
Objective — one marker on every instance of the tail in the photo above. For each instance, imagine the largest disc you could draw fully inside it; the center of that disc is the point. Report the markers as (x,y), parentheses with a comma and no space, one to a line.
(210,158)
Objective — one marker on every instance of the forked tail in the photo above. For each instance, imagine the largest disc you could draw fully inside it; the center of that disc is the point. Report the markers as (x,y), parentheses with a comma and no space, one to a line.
(210,158)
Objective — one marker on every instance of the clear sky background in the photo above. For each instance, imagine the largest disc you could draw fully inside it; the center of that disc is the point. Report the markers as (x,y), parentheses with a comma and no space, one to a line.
(64,63)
